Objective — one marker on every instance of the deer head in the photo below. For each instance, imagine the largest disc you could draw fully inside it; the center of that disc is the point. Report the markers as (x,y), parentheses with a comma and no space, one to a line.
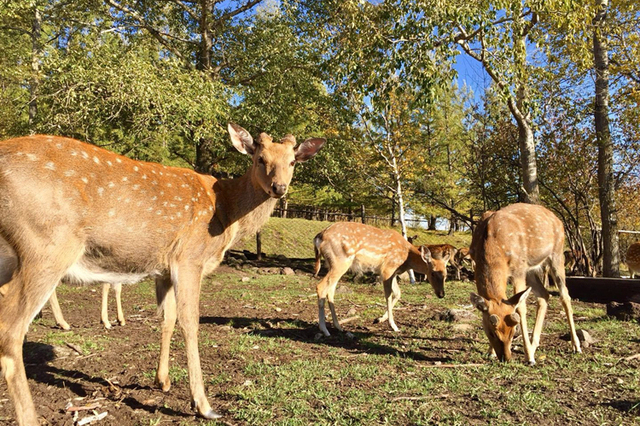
(499,320)
(273,163)
(436,270)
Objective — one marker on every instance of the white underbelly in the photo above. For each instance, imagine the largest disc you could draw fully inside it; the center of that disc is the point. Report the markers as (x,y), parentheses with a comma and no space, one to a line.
(83,273)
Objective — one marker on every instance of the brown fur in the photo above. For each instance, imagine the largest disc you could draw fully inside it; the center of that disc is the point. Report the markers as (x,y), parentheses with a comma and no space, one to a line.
(72,211)
(524,243)
(633,259)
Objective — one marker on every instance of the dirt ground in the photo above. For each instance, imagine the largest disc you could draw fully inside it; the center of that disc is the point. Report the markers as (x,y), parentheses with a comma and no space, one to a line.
(113,370)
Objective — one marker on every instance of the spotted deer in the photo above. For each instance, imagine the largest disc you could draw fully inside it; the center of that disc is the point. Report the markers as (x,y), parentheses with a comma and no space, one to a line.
(461,256)
(522,243)
(104,312)
(350,245)
(73,212)
(633,260)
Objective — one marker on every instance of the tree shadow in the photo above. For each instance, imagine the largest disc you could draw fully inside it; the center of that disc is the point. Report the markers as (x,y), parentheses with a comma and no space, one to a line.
(38,355)
(625,406)
(306,332)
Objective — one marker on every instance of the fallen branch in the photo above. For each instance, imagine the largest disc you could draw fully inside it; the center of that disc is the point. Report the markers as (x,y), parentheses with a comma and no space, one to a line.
(76,348)
(346,320)
(92,419)
(84,408)
(453,365)
(629,358)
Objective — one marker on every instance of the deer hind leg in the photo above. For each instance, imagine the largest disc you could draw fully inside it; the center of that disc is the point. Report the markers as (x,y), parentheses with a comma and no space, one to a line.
(166,298)
(536,281)
(57,312)
(104,313)
(558,275)
(187,293)
(117,288)
(326,290)
(520,284)
(392,295)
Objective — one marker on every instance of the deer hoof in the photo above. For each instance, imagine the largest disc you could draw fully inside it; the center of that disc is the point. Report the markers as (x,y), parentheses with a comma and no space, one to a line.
(532,362)
(65,326)
(211,415)
(164,385)
(123,322)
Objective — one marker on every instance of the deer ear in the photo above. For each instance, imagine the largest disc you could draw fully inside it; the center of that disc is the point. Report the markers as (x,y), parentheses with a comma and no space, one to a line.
(308,149)
(241,139)
(479,302)
(426,254)
(518,298)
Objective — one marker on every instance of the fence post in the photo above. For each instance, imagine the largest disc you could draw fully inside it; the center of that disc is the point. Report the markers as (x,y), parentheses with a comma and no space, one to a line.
(259,245)
(362,213)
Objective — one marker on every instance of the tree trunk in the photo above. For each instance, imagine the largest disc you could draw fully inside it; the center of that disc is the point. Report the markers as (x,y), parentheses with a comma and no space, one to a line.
(432,222)
(606,182)
(204,156)
(259,245)
(204,54)
(36,54)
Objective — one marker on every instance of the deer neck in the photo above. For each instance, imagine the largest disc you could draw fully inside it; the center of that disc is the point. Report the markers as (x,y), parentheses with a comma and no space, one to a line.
(414,260)
(492,282)
(242,202)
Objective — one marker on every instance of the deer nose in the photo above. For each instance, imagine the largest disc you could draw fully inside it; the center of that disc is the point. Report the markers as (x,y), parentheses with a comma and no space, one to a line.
(279,189)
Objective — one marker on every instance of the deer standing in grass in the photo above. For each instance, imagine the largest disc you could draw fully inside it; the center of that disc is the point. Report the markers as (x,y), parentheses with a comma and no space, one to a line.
(349,245)
(74,212)
(104,313)
(522,243)
(633,260)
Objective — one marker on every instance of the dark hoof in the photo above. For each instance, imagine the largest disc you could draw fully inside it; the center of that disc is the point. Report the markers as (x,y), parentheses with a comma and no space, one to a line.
(211,415)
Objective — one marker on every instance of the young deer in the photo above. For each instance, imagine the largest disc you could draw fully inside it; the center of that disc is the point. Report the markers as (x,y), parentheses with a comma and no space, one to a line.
(104,313)
(524,243)
(74,212)
(633,260)
(350,245)
(461,256)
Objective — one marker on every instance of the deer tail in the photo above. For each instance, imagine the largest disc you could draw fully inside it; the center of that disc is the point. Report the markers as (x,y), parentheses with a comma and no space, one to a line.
(316,247)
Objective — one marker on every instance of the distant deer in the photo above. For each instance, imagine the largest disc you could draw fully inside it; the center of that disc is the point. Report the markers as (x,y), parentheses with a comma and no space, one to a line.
(74,212)
(524,243)
(460,257)
(633,260)
(104,313)
(350,245)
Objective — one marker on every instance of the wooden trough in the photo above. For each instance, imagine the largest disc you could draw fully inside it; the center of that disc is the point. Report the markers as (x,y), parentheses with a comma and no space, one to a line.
(604,290)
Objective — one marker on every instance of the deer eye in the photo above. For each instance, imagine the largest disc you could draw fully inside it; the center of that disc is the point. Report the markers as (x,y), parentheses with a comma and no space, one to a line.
(292,163)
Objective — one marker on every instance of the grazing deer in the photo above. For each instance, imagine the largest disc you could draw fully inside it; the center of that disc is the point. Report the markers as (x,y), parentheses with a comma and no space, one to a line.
(74,212)
(633,260)
(524,243)
(350,245)
(104,313)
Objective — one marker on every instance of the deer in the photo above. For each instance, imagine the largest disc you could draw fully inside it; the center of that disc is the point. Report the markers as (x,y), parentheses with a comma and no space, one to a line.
(633,260)
(104,313)
(460,257)
(76,213)
(444,252)
(522,243)
(350,245)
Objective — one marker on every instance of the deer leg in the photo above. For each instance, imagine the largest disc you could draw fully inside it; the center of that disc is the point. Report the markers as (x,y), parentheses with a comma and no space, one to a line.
(57,312)
(167,303)
(187,298)
(392,295)
(104,313)
(326,287)
(118,290)
(542,295)
(23,297)
(519,284)
(557,273)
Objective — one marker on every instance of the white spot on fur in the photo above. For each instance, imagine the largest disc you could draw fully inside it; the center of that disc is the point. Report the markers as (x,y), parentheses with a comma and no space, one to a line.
(124,178)
(135,168)
(84,179)
(69,173)
(136,187)
(50,166)
(112,213)
(32,157)
(118,160)
(100,191)
(85,155)
(96,160)
(109,163)
(111,184)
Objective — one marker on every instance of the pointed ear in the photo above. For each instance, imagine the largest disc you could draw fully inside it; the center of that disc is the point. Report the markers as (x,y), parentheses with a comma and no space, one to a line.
(518,298)
(241,139)
(426,254)
(308,149)
(479,302)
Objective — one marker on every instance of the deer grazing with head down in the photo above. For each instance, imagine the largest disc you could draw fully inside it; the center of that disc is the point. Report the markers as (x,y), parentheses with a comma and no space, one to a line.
(104,312)
(522,243)
(633,260)
(73,212)
(350,245)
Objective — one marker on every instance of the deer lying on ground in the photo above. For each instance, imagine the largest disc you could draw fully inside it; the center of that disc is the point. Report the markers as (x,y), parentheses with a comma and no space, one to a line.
(74,212)
(633,260)
(104,313)
(349,245)
(524,243)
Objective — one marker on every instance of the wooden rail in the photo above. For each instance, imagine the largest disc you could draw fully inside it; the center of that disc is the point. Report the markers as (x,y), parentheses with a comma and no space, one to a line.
(604,290)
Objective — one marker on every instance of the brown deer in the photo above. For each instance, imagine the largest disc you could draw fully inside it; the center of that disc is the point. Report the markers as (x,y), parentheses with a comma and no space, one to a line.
(460,257)
(104,313)
(73,212)
(633,260)
(522,243)
(350,245)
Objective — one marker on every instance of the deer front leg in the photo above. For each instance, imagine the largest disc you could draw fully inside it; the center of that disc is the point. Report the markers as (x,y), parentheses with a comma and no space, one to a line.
(519,284)
(104,313)
(187,297)
(57,312)
(392,295)
(167,302)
